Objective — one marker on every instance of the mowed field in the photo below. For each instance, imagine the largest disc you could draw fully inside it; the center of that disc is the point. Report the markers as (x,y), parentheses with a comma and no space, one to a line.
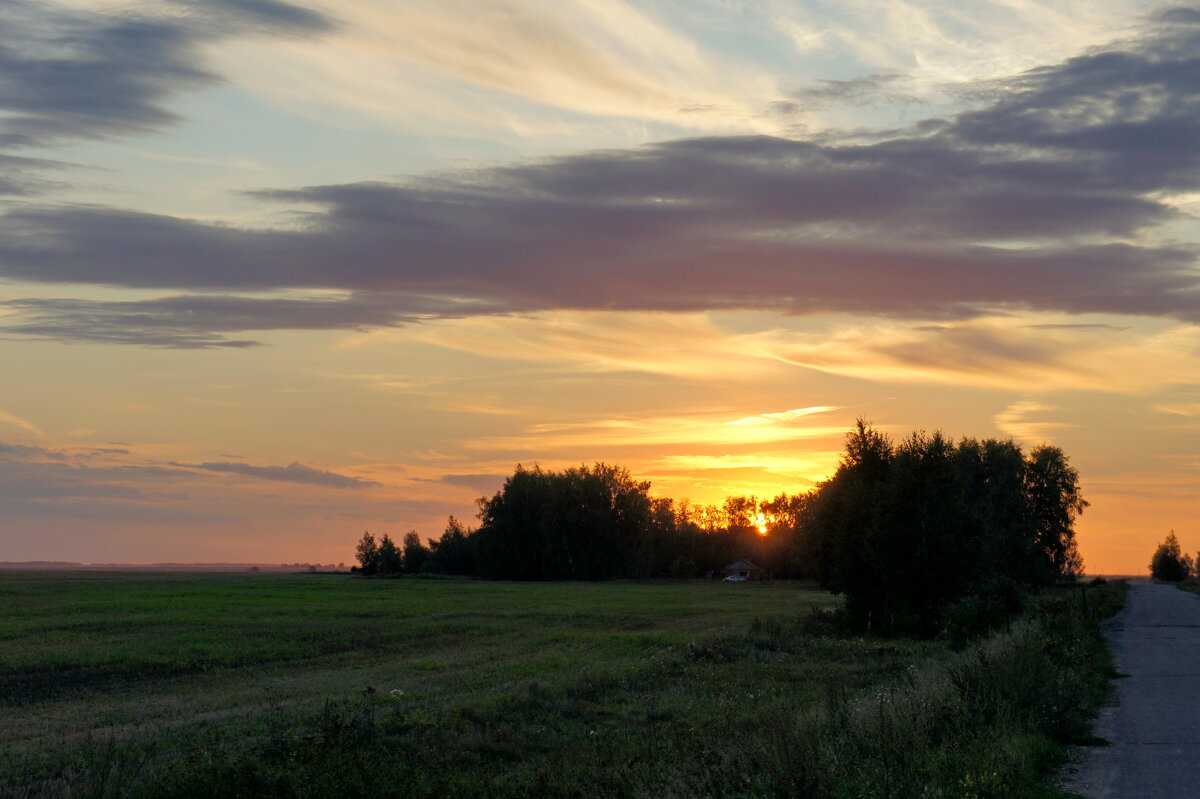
(115,684)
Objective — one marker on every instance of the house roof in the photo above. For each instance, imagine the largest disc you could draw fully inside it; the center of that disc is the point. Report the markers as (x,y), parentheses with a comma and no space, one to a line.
(741,565)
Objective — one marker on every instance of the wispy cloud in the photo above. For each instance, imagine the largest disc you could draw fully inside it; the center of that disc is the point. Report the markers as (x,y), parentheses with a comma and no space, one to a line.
(1014,352)
(1020,421)
(697,429)
(202,321)
(810,465)
(294,472)
(117,490)
(939,43)
(81,73)
(1190,410)
(26,452)
(479,483)
(783,416)
(228,163)
(21,424)
(516,66)
(75,455)
(685,345)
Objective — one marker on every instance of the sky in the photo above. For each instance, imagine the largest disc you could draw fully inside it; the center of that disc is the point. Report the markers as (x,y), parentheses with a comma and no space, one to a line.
(275,273)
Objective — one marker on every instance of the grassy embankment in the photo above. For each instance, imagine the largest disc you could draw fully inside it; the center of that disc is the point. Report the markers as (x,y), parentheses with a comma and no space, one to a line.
(310,685)
(1190,584)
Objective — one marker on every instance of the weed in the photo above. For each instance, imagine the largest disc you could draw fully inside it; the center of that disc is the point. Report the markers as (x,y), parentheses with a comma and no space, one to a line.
(108,768)
(825,622)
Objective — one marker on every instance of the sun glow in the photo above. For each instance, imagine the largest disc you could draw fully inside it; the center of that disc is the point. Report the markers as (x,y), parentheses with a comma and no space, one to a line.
(762,521)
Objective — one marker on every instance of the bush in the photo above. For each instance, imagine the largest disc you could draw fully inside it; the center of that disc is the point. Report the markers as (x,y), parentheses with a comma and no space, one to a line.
(683,566)
(825,623)
(986,606)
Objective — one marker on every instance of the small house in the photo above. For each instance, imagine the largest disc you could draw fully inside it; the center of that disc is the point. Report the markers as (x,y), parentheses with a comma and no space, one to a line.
(743,570)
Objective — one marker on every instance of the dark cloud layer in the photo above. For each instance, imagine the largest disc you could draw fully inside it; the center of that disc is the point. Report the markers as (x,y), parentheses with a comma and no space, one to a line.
(74,467)
(864,90)
(67,75)
(292,473)
(47,481)
(78,456)
(100,483)
(1044,198)
(27,452)
(21,176)
(38,480)
(482,483)
(198,321)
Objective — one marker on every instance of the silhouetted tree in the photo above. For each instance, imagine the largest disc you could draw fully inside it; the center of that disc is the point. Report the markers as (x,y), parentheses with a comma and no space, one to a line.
(683,566)
(841,535)
(739,512)
(1169,562)
(454,552)
(925,531)
(1055,502)
(391,560)
(367,553)
(580,524)
(415,553)
(781,550)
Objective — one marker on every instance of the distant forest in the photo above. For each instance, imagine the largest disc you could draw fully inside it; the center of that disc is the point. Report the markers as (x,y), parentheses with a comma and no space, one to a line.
(918,535)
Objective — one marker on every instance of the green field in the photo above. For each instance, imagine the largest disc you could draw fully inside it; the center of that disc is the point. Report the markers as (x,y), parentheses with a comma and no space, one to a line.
(113,681)
(309,685)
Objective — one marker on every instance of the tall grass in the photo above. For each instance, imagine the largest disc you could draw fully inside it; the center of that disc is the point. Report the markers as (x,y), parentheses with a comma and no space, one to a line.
(989,721)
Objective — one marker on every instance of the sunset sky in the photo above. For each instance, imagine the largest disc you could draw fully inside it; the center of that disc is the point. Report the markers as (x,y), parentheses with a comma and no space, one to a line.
(273,274)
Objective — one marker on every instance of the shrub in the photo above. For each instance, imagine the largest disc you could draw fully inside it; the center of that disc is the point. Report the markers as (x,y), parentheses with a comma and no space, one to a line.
(825,622)
(989,721)
(986,606)
(683,566)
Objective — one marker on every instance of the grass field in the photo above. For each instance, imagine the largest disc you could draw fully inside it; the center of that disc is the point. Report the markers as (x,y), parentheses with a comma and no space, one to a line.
(313,685)
(513,679)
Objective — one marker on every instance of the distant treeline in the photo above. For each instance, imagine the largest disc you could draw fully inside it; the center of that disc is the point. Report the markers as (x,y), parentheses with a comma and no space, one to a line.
(918,535)
(597,523)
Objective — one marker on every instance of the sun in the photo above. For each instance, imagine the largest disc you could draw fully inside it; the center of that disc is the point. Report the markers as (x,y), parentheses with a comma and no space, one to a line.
(762,521)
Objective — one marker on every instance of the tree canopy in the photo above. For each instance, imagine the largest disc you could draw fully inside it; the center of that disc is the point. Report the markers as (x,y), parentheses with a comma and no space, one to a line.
(579,524)
(907,531)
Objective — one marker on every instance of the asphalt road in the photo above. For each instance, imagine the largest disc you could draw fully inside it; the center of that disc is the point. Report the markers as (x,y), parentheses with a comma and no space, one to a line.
(1154,730)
